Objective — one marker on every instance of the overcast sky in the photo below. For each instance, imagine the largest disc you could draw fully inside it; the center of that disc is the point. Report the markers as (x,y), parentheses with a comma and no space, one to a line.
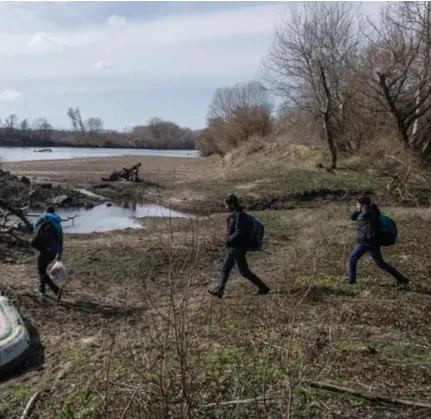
(129,61)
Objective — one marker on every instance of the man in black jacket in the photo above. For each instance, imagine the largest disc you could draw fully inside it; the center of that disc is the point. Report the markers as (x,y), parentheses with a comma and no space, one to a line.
(238,232)
(367,217)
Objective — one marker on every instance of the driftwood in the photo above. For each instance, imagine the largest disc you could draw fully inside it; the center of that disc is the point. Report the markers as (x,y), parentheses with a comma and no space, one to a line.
(130,175)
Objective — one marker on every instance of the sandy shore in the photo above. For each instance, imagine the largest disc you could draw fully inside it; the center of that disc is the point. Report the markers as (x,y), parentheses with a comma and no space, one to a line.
(78,171)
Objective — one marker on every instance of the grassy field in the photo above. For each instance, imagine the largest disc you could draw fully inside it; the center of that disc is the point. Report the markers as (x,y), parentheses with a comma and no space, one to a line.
(137,336)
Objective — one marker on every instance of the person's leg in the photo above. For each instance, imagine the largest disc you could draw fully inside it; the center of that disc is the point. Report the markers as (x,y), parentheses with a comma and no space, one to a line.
(245,271)
(376,255)
(43,261)
(225,270)
(358,251)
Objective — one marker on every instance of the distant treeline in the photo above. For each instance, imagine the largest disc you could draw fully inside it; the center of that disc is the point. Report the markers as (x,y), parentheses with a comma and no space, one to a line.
(157,134)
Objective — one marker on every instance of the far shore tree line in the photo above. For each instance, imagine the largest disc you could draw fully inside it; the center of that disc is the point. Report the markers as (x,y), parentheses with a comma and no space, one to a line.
(90,132)
(338,78)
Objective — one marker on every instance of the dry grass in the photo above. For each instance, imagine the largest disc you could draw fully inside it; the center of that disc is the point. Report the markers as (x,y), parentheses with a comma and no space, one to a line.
(138,337)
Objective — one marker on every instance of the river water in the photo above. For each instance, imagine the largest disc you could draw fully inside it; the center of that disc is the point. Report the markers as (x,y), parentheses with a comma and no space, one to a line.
(16,154)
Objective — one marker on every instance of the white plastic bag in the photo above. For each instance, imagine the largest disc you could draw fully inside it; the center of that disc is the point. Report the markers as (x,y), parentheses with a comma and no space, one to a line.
(58,272)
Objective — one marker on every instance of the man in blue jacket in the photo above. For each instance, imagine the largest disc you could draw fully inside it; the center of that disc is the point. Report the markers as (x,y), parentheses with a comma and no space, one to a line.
(50,247)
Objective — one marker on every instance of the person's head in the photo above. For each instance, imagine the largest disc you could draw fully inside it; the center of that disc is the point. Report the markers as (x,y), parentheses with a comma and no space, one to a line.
(364,200)
(232,203)
(50,209)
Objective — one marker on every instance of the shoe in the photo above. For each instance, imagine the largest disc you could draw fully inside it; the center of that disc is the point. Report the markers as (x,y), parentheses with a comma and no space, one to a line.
(264,291)
(40,293)
(350,282)
(403,285)
(216,293)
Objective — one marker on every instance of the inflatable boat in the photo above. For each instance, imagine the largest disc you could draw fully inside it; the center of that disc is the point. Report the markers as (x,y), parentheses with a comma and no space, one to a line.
(14,338)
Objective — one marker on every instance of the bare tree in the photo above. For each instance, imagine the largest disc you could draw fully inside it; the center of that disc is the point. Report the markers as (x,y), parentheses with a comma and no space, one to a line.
(76,119)
(94,125)
(24,125)
(397,71)
(309,63)
(228,101)
(11,121)
(43,128)
(236,114)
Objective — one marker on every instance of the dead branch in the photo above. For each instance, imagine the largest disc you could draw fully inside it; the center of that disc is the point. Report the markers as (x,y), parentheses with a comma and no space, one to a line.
(30,405)
(18,212)
(366,396)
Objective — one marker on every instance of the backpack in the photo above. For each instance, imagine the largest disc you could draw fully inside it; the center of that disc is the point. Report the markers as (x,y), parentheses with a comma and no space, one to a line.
(388,231)
(44,237)
(257,232)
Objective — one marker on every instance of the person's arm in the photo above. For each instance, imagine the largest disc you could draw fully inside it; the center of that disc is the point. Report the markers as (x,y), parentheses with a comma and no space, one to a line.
(40,221)
(241,227)
(354,215)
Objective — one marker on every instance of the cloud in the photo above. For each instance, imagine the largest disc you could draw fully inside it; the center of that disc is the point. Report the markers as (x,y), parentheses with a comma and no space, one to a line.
(10,95)
(100,65)
(117,22)
(44,42)
(193,49)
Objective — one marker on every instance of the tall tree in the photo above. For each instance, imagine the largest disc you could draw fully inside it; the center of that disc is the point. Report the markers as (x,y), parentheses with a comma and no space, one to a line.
(309,63)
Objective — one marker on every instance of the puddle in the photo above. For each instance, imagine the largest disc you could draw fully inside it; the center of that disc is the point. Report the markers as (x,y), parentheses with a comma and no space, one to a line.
(107,218)
(90,194)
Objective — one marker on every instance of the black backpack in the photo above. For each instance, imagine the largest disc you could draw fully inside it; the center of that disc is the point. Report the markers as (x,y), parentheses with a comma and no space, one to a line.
(44,237)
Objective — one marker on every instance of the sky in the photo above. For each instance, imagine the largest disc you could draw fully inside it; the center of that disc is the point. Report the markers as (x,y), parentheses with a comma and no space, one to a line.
(127,62)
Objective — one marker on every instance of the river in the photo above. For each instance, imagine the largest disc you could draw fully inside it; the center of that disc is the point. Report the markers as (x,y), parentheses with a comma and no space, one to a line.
(17,154)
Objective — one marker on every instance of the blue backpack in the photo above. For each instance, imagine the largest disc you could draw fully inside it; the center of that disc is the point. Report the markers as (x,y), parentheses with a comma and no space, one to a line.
(388,231)
(257,232)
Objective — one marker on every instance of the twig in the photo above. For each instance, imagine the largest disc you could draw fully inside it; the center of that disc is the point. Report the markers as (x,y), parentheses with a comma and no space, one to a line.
(237,402)
(92,254)
(30,405)
(63,220)
(365,395)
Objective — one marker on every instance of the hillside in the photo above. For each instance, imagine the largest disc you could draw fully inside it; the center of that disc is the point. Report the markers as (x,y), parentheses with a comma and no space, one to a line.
(137,335)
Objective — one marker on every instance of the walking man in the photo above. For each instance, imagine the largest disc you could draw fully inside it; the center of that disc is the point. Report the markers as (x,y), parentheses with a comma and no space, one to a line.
(238,232)
(367,217)
(49,242)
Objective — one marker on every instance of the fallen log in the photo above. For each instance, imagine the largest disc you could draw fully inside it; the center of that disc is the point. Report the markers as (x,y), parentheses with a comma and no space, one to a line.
(130,175)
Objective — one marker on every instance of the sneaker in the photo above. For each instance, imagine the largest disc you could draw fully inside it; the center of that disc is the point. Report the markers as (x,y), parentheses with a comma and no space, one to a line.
(40,293)
(263,291)
(403,285)
(216,293)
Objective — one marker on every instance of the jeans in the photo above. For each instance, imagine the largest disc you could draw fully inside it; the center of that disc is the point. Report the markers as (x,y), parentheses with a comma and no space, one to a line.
(376,255)
(238,257)
(44,259)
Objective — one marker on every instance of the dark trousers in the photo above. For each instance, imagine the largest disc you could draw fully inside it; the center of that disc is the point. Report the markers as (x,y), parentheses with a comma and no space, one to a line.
(44,259)
(238,257)
(376,255)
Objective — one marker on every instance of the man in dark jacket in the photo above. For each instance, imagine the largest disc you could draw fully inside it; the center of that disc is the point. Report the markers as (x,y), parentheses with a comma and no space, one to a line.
(52,250)
(238,232)
(367,217)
